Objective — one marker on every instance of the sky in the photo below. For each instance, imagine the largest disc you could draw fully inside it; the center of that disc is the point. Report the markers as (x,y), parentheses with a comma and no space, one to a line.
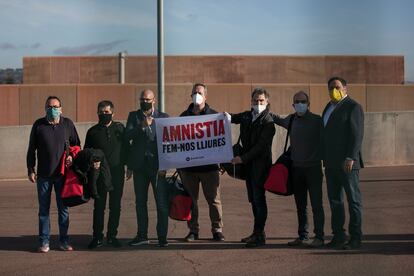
(201,27)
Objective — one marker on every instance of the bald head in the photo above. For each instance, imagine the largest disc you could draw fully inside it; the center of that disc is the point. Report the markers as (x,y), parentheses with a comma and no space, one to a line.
(147,94)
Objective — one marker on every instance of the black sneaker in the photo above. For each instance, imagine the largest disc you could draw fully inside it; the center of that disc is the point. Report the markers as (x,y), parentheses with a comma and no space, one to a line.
(352,244)
(246,239)
(138,240)
(191,237)
(336,243)
(256,240)
(298,241)
(114,242)
(162,242)
(95,243)
(218,236)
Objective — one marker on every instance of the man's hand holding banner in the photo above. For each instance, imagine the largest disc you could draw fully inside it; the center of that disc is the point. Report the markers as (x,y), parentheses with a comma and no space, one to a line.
(193,141)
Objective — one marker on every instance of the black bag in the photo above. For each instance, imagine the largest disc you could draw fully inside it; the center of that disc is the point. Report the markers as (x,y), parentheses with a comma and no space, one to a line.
(180,201)
(237,171)
(279,180)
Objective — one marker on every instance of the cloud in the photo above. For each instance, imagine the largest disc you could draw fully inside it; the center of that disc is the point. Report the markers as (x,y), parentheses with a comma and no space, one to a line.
(93,49)
(11,46)
(35,45)
(42,13)
(7,46)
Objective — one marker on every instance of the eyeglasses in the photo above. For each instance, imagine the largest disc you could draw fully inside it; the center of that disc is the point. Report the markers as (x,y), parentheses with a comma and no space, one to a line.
(52,106)
(300,101)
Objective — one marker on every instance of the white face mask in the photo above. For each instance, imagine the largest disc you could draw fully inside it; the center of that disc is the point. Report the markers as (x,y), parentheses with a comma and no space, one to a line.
(259,108)
(197,99)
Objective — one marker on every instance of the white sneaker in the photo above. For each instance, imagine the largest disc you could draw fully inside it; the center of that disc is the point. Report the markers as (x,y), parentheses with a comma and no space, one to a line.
(44,248)
(315,243)
(65,247)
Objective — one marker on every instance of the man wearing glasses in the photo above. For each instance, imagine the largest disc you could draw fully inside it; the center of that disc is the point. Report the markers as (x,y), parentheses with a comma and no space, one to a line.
(305,145)
(142,162)
(47,143)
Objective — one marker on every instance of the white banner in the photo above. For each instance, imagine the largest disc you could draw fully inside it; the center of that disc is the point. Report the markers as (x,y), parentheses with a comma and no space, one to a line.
(193,141)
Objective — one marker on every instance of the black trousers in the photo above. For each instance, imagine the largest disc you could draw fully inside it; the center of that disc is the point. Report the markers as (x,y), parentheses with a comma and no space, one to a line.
(118,174)
(309,180)
(257,199)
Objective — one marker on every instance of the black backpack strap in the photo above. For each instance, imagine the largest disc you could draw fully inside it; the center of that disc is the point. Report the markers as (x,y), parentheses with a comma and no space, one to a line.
(67,143)
(292,116)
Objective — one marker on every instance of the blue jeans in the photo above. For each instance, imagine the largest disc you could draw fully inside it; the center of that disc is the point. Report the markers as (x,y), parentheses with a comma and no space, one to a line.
(44,192)
(160,189)
(337,182)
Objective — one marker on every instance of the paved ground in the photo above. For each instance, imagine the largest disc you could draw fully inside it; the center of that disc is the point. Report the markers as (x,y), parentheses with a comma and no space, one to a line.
(388,247)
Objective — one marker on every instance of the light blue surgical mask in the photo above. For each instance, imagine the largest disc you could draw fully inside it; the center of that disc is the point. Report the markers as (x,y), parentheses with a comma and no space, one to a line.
(300,108)
(52,113)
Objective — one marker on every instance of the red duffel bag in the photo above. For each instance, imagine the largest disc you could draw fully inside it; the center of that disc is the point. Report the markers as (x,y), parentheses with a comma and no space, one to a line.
(180,201)
(72,190)
(279,180)
(72,193)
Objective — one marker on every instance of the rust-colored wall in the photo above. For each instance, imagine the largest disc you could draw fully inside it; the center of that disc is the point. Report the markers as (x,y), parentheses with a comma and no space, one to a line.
(22,104)
(217,69)
(65,70)
(99,70)
(9,105)
(88,97)
(33,97)
(36,70)
(390,97)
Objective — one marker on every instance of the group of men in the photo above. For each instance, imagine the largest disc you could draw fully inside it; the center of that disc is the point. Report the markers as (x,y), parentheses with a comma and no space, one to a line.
(335,138)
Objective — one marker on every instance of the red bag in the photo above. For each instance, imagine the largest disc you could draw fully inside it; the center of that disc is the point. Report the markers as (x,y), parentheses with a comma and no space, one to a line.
(181,202)
(279,180)
(72,190)
(180,207)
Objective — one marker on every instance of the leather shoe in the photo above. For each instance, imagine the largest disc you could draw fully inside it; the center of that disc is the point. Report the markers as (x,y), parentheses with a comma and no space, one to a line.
(352,244)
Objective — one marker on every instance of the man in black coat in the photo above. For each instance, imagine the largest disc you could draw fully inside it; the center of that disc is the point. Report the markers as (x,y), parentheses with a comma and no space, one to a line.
(142,162)
(343,133)
(257,131)
(107,136)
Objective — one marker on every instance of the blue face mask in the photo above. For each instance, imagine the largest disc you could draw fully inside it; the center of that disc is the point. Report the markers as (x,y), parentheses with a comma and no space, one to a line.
(52,113)
(300,108)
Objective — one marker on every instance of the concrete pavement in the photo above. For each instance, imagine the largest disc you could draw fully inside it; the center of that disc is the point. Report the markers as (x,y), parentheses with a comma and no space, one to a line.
(388,227)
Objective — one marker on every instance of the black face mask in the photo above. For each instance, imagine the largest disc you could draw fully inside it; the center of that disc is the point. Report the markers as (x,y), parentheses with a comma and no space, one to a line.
(104,119)
(145,106)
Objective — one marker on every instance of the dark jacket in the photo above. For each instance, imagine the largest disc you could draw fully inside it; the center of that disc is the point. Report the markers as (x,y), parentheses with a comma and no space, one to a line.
(142,150)
(256,138)
(305,138)
(343,134)
(189,112)
(47,142)
(110,140)
(90,177)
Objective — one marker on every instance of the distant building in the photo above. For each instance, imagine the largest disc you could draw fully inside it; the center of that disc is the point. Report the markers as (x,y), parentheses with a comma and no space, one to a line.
(11,76)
